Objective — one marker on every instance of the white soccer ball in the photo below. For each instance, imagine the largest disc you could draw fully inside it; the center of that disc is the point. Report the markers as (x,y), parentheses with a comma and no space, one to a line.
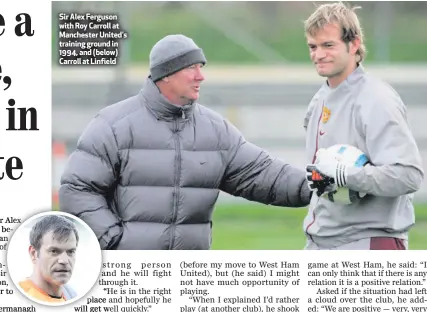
(351,156)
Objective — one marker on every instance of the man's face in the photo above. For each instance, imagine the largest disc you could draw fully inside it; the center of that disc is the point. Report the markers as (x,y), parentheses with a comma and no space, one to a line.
(55,261)
(185,84)
(331,56)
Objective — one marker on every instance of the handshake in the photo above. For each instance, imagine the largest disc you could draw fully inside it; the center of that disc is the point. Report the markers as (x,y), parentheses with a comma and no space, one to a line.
(327,174)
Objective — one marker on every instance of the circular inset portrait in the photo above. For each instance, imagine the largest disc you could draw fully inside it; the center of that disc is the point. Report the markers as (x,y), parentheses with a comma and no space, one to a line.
(54,258)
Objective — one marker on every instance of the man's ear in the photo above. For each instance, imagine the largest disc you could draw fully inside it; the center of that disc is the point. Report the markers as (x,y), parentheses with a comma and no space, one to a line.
(33,254)
(355,45)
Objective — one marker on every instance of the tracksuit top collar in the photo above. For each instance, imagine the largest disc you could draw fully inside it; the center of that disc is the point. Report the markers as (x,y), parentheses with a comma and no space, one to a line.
(349,81)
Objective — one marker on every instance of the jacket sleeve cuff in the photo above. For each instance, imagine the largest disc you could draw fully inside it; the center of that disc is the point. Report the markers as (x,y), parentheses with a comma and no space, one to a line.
(305,193)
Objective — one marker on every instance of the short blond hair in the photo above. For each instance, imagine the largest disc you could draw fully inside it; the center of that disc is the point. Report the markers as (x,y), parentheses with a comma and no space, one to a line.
(345,17)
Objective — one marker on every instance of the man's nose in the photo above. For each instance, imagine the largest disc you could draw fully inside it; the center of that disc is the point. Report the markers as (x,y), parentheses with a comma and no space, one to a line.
(199,75)
(319,54)
(63,258)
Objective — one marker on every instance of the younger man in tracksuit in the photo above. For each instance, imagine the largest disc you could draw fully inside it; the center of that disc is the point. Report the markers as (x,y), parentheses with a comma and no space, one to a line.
(353,107)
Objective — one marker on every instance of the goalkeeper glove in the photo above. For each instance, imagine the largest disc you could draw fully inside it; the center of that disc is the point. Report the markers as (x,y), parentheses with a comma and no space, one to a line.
(318,182)
(327,174)
(329,166)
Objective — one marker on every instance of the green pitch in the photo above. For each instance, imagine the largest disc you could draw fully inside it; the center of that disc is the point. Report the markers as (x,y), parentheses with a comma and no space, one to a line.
(258,227)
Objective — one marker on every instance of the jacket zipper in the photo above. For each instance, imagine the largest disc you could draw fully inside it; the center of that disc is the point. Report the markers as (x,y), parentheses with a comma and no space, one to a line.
(313,161)
(177,179)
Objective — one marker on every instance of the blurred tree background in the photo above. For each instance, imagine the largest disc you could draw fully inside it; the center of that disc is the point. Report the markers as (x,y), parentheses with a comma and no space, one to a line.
(261,32)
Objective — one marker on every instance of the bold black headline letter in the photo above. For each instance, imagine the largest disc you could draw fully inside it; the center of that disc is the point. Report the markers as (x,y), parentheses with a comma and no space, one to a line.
(26,23)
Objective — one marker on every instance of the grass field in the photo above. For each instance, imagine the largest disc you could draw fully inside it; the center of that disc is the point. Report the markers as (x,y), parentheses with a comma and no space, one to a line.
(258,227)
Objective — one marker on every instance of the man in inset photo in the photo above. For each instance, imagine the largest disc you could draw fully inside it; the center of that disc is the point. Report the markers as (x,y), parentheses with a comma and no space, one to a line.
(53,245)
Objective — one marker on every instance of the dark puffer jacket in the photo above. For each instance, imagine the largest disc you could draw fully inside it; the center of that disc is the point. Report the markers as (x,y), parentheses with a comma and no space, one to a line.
(146,174)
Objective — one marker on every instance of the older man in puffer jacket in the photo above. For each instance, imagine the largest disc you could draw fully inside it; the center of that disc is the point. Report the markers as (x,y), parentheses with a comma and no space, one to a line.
(147,171)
